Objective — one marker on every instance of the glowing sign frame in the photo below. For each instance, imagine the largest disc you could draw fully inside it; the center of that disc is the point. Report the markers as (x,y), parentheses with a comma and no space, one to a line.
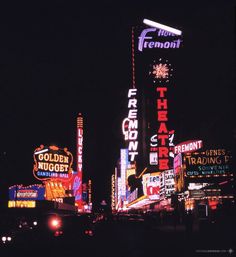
(53,163)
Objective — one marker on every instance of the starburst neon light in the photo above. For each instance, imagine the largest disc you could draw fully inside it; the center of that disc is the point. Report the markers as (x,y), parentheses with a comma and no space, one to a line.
(160,71)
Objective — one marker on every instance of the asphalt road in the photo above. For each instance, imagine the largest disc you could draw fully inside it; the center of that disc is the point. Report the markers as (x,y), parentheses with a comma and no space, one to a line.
(132,238)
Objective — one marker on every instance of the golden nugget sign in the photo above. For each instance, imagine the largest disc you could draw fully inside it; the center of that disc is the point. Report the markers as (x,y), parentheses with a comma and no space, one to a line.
(52,162)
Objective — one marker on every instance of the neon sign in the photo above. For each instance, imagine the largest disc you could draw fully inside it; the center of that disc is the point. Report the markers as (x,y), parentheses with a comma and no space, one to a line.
(130,125)
(147,42)
(162,132)
(153,156)
(151,185)
(32,192)
(78,199)
(113,205)
(188,146)
(52,162)
(27,193)
(123,167)
(167,183)
(208,163)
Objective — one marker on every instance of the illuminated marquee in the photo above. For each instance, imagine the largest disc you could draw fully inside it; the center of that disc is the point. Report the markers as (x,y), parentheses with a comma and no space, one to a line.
(21,204)
(27,193)
(130,124)
(32,192)
(52,162)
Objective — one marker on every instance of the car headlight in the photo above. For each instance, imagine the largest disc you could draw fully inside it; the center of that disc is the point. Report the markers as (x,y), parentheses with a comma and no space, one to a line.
(9,238)
(4,239)
(54,223)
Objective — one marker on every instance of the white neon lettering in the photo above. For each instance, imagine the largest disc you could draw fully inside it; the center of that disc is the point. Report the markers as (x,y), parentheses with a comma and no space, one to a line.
(148,42)
(133,146)
(130,124)
(132,103)
(133,124)
(132,114)
(132,92)
(80,167)
(133,135)
(132,155)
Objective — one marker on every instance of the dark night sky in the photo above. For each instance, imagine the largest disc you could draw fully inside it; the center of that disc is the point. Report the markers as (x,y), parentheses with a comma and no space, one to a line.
(57,60)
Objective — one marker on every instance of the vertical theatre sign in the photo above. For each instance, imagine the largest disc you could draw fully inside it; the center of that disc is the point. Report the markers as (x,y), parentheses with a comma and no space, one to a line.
(157,52)
(161,72)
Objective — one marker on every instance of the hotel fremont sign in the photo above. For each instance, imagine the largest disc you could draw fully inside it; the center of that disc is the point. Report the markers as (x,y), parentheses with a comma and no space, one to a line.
(52,162)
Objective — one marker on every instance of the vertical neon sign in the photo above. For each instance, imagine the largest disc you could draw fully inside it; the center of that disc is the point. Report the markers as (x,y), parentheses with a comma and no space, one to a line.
(90,192)
(79,159)
(123,167)
(113,192)
(130,124)
(153,50)
(161,72)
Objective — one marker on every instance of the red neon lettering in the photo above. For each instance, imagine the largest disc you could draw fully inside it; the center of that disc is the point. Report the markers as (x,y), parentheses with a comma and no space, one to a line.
(163,164)
(162,128)
(132,114)
(80,167)
(161,104)
(163,139)
(163,152)
(153,190)
(80,150)
(162,116)
(161,90)
(80,132)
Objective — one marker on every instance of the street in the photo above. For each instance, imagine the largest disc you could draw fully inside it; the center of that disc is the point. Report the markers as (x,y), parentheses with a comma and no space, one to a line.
(131,238)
